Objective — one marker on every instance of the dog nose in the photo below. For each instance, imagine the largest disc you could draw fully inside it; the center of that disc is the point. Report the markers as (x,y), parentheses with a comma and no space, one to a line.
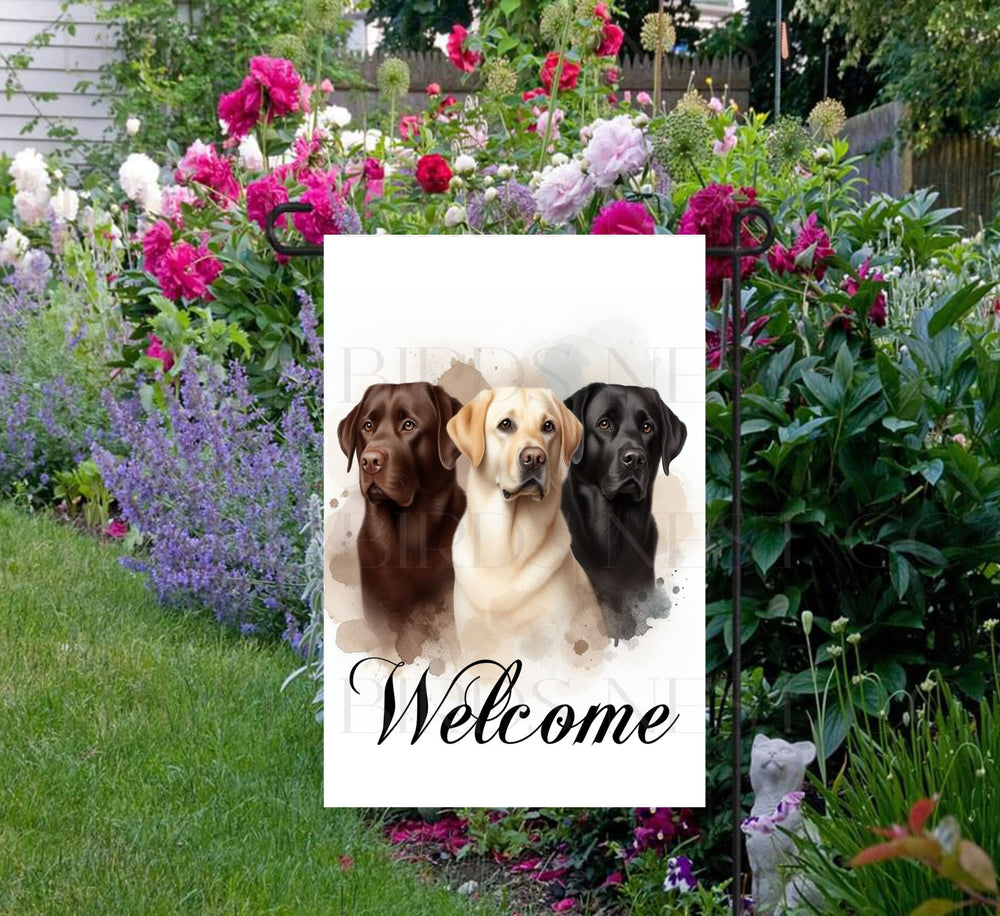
(373,460)
(532,458)
(633,457)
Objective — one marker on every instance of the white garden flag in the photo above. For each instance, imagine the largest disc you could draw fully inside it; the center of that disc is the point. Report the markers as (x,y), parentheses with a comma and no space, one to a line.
(515,531)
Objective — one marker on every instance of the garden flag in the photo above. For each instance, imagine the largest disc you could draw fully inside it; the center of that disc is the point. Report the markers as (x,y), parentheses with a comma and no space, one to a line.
(514,474)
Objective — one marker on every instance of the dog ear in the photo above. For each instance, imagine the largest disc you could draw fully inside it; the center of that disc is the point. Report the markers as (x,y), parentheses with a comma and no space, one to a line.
(577,403)
(673,434)
(347,430)
(572,434)
(468,427)
(446,407)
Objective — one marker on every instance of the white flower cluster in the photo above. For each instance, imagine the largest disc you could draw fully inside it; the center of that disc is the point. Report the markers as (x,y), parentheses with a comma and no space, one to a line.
(139,178)
(31,184)
(13,248)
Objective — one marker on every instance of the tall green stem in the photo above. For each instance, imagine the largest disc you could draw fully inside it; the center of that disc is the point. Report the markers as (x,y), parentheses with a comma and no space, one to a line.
(553,96)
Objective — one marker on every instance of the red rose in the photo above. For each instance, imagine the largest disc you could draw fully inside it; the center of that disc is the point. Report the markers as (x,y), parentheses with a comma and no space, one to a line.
(611,40)
(433,173)
(465,60)
(567,77)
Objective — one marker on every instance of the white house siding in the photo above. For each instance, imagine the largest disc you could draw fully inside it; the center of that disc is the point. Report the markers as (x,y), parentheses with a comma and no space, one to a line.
(56,68)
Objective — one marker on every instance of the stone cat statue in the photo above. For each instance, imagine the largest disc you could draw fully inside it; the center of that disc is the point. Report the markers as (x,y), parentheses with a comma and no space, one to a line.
(777,772)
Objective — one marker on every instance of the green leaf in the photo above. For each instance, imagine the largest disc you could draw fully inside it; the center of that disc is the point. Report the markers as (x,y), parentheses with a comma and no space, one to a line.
(769,544)
(824,390)
(954,307)
(895,424)
(843,367)
(776,607)
(509,6)
(899,573)
(921,551)
(931,470)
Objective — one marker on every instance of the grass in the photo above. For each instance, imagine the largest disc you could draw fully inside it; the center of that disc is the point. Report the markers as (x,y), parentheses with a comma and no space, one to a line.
(149,764)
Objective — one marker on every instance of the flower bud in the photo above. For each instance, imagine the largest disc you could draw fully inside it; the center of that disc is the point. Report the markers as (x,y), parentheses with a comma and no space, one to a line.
(456,183)
(454,216)
(488,181)
(503,172)
(807,622)
(559,159)
(132,126)
(490,195)
(465,164)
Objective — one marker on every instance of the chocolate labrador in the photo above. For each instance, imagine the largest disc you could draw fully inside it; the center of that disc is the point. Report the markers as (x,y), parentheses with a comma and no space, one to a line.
(412,500)
(607,498)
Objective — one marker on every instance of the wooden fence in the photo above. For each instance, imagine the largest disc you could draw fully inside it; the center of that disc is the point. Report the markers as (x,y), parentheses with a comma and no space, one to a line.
(635,75)
(963,168)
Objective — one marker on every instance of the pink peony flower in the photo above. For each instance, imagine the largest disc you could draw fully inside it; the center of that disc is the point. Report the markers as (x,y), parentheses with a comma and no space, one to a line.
(117,529)
(263,195)
(563,192)
(466,61)
(155,244)
(156,350)
(808,255)
(611,40)
(617,147)
(644,98)
(202,165)
(185,272)
(326,86)
(171,199)
(601,12)
(715,104)
(409,126)
(622,217)
(374,170)
(723,146)
(282,83)
(433,89)
(564,906)
(710,212)
(240,109)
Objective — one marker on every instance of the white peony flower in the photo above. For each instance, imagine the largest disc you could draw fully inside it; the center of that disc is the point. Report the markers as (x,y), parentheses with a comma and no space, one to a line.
(132,126)
(465,164)
(32,206)
(503,172)
(563,192)
(333,116)
(13,247)
(454,216)
(139,177)
(357,139)
(65,204)
(251,157)
(28,171)
(490,195)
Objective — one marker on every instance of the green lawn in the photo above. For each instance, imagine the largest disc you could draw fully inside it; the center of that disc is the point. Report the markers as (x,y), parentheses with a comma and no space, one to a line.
(148,763)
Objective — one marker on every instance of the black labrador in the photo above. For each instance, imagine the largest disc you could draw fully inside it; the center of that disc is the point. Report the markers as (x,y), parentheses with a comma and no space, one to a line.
(607,497)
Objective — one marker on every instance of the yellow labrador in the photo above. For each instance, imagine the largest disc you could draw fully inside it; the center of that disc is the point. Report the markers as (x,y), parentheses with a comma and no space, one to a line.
(518,587)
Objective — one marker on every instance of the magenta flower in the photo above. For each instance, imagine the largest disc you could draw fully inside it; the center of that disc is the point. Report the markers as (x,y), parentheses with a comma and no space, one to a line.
(185,272)
(117,529)
(612,37)
(240,109)
(282,83)
(713,349)
(263,195)
(466,61)
(877,314)
(809,254)
(710,212)
(201,164)
(155,244)
(330,215)
(564,906)
(623,217)
(156,350)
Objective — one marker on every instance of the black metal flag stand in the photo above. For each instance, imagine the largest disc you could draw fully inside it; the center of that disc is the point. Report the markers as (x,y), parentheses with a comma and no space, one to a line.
(732,317)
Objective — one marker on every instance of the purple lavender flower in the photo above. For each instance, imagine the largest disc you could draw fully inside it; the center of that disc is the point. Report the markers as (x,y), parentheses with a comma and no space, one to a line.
(512,209)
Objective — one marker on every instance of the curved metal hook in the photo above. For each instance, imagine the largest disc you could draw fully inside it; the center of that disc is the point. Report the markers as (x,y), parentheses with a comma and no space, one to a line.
(306,251)
(755,212)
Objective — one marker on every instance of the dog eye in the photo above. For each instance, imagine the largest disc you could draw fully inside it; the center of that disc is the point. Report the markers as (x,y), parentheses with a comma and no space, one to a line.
(408,425)
(647,427)
(548,426)
(368,426)
(604,423)
(505,425)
